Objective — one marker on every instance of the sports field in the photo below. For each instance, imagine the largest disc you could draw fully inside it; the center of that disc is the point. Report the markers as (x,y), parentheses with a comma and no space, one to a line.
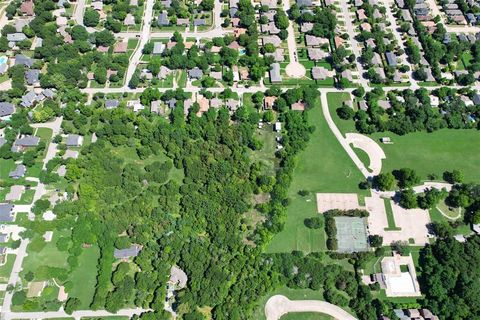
(322,167)
(351,234)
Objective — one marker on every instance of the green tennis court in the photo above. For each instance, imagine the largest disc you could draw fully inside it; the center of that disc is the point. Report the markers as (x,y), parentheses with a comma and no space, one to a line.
(351,234)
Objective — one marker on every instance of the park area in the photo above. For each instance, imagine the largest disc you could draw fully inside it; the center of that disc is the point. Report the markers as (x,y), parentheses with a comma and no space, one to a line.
(322,167)
(425,152)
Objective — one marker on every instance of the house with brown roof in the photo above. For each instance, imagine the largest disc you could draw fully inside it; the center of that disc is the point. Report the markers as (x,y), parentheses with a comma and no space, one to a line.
(26,8)
(268,102)
(298,106)
(120,47)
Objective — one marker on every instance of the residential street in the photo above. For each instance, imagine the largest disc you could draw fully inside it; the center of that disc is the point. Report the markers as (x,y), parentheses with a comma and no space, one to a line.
(77,314)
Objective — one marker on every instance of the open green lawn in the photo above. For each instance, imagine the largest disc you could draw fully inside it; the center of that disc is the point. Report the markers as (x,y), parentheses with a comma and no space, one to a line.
(390,218)
(6,166)
(435,152)
(83,278)
(427,153)
(306,316)
(266,155)
(322,167)
(44,133)
(6,269)
(41,254)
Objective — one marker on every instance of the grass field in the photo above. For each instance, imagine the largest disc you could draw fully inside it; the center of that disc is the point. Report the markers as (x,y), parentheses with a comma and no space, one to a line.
(83,278)
(322,167)
(390,218)
(6,269)
(427,153)
(306,316)
(434,153)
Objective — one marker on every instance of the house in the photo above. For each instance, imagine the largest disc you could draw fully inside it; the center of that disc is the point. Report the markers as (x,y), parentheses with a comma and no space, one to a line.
(268,102)
(277,126)
(164,73)
(15,193)
(338,41)
(319,73)
(298,106)
(6,110)
(25,142)
(195,73)
(232,104)
(2,141)
(203,104)
(74,140)
(70,154)
(234,45)
(178,278)
(16,37)
(384,104)
(380,72)
(121,47)
(6,212)
(361,15)
(26,8)
(3,68)
(158,48)
(391,58)
(304,3)
(216,103)
(111,103)
(316,54)
(347,74)
(4,237)
(199,22)
(61,21)
(277,55)
(163,19)
(275,40)
(365,26)
(32,76)
(269,28)
(19,172)
(97,5)
(20,59)
(269,3)
(476,99)
(217,75)
(314,41)
(129,20)
(275,75)
(28,99)
(131,252)
(136,105)
(183,22)
(306,27)
(155,107)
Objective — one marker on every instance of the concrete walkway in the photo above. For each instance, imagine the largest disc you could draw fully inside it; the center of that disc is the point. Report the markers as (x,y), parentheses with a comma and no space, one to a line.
(279,305)
(14,275)
(77,314)
(372,149)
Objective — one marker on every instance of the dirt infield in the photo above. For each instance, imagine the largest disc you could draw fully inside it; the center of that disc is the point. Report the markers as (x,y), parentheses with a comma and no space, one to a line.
(342,201)
(279,305)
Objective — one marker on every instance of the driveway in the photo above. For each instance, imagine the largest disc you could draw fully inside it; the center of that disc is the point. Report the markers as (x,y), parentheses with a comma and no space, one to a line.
(279,305)
(372,149)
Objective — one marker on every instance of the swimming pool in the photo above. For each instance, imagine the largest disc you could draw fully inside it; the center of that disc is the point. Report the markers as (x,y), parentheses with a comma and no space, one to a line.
(3,59)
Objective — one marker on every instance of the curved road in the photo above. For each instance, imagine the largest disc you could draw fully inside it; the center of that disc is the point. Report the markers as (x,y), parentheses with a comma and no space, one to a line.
(279,305)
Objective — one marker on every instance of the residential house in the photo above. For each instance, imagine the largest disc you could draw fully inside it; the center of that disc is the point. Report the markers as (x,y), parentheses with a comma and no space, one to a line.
(199,22)
(268,102)
(129,20)
(25,142)
(391,58)
(74,140)
(6,110)
(15,193)
(32,76)
(195,73)
(6,212)
(21,59)
(320,73)
(131,252)
(275,40)
(26,8)
(163,19)
(16,37)
(278,55)
(29,99)
(19,172)
(316,54)
(275,75)
(121,47)
(111,103)
(164,73)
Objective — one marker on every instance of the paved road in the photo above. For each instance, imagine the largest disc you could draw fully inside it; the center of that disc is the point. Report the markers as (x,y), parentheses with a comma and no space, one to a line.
(144,38)
(353,42)
(14,276)
(77,314)
(279,305)
(79,12)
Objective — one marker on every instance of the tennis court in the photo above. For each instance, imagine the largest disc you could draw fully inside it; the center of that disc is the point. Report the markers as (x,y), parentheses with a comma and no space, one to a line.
(351,234)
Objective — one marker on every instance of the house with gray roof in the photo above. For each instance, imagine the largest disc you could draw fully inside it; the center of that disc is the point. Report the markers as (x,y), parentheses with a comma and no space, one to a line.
(476,99)
(26,142)
(316,54)
(2,141)
(278,55)
(391,58)
(275,75)
(6,212)
(111,103)
(275,40)
(21,59)
(314,41)
(4,237)
(16,37)
(163,19)
(28,99)
(158,47)
(199,22)
(74,140)
(195,73)
(19,172)
(319,73)
(304,3)
(32,76)
(3,68)
(6,109)
(131,252)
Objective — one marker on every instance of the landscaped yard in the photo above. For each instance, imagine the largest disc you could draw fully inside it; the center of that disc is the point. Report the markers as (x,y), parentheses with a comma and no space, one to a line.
(322,167)
(306,316)
(6,269)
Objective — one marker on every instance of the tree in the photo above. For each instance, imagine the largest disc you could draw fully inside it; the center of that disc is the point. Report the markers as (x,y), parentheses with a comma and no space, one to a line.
(455,176)
(406,177)
(384,181)
(40,206)
(91,18)
(345,112)
(375,240)
(408,199)
(71,305)
(313,223)
(207,5)
(281,20)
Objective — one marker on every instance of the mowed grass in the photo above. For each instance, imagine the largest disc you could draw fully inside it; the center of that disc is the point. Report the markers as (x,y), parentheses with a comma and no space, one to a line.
(434,153)
(83,278)
(6,269)
(323,166)
(427,153)
(306,316)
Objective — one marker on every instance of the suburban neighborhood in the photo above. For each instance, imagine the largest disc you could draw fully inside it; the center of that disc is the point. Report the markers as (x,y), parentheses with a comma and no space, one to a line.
(239,159)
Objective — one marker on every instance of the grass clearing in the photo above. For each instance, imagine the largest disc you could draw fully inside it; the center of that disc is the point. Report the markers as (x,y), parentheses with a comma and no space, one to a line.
(83,278)
(306,316)
(322,167)
(390,218)
(6,269)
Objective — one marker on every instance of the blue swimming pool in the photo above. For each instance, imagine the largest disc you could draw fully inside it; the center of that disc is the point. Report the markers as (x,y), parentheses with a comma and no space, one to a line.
(3,59)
